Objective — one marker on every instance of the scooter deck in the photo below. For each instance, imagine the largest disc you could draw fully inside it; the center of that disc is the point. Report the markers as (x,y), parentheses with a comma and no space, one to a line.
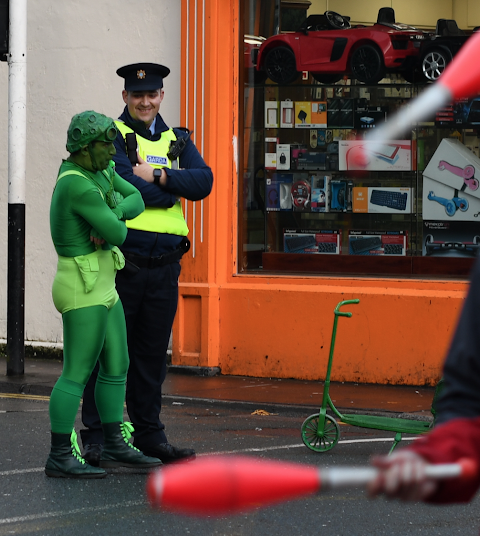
(391,424)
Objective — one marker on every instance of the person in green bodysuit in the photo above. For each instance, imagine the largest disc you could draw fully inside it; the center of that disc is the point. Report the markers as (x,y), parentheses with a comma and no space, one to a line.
(90,204)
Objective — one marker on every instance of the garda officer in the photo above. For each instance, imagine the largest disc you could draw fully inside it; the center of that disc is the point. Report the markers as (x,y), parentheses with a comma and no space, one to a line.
(164,164)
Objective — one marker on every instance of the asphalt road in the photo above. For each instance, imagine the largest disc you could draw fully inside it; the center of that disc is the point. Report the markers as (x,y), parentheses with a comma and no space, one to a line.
(33,504)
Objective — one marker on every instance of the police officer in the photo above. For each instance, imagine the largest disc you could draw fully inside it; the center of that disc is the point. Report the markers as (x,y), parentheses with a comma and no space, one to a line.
(155,243)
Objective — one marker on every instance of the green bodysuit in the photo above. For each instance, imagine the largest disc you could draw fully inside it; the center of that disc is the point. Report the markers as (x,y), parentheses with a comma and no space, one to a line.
(88,204)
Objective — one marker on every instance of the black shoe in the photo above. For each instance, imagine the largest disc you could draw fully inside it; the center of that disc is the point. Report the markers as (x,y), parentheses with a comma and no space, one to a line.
(119,452)
(92,454)
(168,453)
(65,461)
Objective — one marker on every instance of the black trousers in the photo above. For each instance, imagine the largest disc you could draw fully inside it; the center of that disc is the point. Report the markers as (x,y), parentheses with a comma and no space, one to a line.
(150,299)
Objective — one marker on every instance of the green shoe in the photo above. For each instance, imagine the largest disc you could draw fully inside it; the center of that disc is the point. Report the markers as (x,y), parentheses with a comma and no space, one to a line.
(65,461)
(119,452)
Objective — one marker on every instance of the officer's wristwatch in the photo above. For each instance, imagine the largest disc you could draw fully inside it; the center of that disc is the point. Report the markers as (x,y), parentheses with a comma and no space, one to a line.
(157,173)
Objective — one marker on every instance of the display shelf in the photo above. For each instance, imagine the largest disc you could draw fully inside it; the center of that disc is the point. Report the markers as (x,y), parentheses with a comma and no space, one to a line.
(310,188)
(451,268)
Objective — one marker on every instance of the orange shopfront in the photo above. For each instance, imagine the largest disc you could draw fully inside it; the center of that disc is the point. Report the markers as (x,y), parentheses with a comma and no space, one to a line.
(247,303)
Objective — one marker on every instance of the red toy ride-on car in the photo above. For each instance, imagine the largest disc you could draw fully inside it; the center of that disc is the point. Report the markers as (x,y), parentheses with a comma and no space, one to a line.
(329,48)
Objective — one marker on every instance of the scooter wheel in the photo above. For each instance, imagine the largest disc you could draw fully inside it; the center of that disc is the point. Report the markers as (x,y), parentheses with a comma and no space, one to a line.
(450,208)
(320,440)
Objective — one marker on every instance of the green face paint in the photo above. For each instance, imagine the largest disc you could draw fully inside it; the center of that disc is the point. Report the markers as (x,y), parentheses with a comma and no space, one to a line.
(101,152)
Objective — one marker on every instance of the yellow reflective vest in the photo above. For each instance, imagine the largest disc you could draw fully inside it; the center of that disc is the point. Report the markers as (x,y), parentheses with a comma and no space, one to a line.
(155,219)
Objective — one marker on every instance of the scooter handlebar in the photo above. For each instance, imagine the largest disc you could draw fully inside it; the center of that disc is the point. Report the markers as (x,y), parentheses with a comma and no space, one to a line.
(341,304)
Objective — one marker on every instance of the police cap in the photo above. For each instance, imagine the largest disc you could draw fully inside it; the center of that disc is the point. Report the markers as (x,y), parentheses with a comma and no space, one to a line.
(143,76)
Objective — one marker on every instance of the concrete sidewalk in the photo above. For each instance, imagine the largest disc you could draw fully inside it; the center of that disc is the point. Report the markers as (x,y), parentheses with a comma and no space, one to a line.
(262,393)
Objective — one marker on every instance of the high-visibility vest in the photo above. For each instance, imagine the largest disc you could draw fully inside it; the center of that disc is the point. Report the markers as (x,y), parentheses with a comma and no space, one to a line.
(155,219)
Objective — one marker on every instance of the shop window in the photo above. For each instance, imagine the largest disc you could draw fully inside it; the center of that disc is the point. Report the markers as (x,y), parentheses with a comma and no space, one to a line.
(305,206)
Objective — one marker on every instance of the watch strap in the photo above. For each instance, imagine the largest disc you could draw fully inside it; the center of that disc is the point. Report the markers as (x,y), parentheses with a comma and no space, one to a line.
(157,173)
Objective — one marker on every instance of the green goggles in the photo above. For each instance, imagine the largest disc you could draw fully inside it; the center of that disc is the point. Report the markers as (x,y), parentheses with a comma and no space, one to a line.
(109,135)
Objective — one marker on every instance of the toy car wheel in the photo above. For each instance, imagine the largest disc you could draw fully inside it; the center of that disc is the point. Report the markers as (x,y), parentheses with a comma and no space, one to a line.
(327,78)
(320,440)
(434,62)
(281,66)
(366,64)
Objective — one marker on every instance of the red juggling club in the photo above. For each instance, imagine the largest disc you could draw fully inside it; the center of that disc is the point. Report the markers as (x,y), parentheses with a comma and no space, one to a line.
(223,485)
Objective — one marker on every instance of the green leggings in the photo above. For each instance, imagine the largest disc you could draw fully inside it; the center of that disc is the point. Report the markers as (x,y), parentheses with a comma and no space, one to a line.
(91,334)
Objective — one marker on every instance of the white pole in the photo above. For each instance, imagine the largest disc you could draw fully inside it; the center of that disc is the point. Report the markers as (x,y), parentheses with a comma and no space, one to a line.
(17,123)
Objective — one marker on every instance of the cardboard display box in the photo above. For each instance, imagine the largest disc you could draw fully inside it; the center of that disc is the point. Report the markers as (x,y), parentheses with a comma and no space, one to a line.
(450,238)
(310,114)
(327,242)
(456,166)
(320,192)
(442,202)
(278,194)
(450,183)
(271,114)
(391,243)
(271,153)
(287,119)
(383,200)
(394,155)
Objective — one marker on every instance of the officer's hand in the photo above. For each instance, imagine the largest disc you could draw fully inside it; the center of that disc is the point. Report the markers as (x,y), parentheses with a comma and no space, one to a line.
(402,476)
(96,238)
(143,170)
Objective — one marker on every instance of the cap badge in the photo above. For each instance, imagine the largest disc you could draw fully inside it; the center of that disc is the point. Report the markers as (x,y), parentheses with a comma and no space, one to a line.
(141,74)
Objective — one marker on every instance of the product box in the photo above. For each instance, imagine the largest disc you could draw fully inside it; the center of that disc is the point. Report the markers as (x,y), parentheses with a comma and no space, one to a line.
(450,238)
(309,160)
(271,153)
(320,192)
(340,113)
(369,118)
(310,114)
(301,194)
(462,113)
(286,114)
(327,242)
(456,166)
(341,195)
(384,200)
(393,155)
(278,193)
(283,156)
(271,114)
(442,202)
(391,243)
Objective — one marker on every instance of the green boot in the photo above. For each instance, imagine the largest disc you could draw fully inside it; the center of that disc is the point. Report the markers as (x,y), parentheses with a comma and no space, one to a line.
(119,452)
(65,461)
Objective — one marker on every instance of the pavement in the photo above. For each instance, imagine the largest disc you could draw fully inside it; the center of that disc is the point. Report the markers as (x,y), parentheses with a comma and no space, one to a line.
(266,394)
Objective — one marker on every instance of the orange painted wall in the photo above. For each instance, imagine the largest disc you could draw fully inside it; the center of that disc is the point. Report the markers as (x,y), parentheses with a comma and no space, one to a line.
(280,327)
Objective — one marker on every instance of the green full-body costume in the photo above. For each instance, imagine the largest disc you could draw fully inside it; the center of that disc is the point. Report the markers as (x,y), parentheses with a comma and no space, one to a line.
(87,204)
(84,290)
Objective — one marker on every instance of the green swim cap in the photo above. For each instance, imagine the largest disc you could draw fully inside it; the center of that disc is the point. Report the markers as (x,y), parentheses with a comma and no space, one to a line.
(87,127)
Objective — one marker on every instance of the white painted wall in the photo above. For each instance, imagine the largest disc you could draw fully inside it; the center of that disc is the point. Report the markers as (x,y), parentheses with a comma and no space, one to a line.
(74,49)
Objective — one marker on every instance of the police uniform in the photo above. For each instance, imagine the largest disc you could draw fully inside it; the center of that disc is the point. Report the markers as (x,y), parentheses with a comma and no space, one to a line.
(155,243)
